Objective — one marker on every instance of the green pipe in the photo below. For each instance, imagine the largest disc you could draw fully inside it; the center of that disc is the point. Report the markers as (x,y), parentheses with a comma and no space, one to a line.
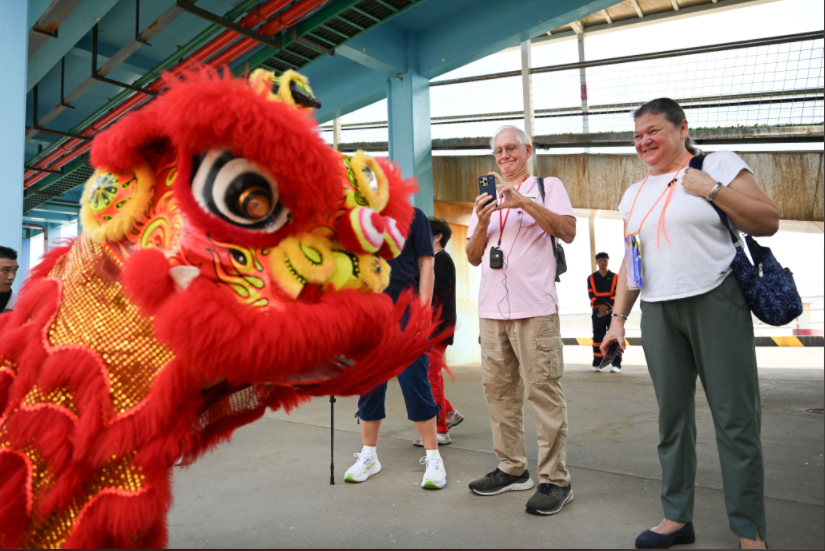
(151,75)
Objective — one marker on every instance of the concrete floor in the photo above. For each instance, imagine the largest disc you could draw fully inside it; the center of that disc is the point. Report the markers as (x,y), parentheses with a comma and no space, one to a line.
(270,486)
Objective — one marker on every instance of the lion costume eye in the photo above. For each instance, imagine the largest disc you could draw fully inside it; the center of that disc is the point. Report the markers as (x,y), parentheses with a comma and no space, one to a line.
(237,191)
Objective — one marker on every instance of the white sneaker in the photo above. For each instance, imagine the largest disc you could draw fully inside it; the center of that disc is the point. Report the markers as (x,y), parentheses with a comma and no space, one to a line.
(454,418)
(365,466)
(443,439)
(435,477)
(616,369)
(597,369)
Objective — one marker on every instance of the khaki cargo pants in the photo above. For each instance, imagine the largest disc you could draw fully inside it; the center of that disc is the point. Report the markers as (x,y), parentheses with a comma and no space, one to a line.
(514,353)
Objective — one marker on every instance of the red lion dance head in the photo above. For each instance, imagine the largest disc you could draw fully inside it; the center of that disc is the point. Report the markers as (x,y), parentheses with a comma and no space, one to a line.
(230,261)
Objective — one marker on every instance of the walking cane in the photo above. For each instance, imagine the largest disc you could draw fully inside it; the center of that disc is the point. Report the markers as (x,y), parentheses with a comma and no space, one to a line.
(332,440)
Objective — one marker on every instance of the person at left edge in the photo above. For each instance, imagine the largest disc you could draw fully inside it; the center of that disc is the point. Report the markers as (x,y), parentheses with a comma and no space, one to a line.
(413,268)
(8,273)
(601,287)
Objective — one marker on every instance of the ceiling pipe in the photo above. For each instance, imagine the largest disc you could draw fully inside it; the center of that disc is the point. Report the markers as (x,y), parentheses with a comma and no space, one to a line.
(283,21)
(45,234)
(185,51)
(69,150)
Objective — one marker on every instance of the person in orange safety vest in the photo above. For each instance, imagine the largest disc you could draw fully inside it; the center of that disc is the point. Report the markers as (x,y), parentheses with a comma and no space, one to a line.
(601,286)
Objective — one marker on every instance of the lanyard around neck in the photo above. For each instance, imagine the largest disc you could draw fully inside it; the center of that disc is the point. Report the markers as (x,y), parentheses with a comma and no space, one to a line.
(669,191)
(503,224)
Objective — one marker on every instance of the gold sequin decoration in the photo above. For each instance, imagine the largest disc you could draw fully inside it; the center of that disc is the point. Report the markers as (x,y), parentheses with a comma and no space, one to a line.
(95,313)
(62,397)
(119,474)
(8,366)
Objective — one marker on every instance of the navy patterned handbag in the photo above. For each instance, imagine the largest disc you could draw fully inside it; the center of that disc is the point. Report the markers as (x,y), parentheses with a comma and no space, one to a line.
(768,287)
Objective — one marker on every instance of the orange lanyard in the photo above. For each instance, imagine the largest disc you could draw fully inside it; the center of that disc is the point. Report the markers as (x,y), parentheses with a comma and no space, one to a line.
(669,191)
(503,224)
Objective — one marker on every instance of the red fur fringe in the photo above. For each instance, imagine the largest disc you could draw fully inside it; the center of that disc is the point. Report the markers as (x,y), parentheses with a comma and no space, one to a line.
(13,517)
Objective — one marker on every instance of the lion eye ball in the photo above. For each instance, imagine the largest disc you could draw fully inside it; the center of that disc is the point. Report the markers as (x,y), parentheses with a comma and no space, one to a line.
(255,203)
(372,181)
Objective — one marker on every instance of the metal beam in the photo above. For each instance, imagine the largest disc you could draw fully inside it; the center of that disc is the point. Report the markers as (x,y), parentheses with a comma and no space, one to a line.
(606,16)
(49,217)
(97,76)
(675,4)
(75,26)
(171,60)
(116,60)
(59,208)
(577,27)
(381,49)
(49,22)
(638,8)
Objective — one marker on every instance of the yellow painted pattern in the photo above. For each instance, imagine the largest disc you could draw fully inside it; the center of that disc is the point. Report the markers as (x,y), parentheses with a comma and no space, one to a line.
(787,341)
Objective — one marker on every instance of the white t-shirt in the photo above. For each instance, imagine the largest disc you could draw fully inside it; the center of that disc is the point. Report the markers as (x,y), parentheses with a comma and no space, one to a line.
(700,252)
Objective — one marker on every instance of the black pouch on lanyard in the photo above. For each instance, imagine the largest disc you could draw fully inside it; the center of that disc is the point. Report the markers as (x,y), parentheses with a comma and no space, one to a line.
(496,258)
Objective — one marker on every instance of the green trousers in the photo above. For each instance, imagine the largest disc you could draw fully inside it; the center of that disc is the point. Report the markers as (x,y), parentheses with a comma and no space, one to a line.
(709,335)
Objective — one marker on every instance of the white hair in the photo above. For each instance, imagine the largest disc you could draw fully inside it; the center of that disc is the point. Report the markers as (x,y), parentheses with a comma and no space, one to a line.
(522,136)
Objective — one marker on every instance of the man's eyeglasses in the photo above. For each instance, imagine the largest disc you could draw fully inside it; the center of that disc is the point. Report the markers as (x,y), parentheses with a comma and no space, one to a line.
(510,149)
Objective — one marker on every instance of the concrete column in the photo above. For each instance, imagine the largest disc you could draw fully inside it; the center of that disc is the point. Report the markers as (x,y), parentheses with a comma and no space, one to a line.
(592,226)
(527,92)
(408,113)
(336,133)
(14,44)
(24,259)
(583,81)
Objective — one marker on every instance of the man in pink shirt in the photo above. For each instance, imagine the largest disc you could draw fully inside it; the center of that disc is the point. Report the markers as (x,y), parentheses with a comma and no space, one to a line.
(521,348)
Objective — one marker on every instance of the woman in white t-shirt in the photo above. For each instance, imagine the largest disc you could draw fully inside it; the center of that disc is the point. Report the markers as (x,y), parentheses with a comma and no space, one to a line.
(695,320)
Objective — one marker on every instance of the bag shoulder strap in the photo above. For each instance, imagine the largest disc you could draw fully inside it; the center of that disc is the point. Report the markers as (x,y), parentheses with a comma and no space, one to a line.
(698,162)
(540,182)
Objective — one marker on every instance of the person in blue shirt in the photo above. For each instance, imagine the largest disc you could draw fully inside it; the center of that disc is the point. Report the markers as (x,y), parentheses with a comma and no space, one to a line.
(413,269)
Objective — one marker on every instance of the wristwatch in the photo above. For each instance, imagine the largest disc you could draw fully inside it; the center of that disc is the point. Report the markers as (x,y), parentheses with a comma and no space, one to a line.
(615,315)
(713,192)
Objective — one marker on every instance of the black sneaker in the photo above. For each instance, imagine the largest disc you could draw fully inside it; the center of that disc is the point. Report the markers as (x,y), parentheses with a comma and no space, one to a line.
(498,482)
(549,499)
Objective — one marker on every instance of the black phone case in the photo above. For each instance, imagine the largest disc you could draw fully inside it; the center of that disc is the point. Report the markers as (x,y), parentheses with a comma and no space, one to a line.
(612,352)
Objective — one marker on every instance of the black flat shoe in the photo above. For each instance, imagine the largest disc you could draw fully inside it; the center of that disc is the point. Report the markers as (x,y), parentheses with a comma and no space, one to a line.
(651,540)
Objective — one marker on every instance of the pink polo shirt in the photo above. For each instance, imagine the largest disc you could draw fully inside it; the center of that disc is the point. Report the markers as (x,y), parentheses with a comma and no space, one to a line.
(530,268)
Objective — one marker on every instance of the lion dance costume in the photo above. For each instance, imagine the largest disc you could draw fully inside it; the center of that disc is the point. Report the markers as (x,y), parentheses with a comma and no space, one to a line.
(230,261)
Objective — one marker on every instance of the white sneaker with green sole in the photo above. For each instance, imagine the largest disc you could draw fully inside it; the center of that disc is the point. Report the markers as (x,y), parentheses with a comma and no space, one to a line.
(365,466)
(435,477)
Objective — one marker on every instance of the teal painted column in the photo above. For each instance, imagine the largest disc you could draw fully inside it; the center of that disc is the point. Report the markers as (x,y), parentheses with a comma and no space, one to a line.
(408,113)
(14,44)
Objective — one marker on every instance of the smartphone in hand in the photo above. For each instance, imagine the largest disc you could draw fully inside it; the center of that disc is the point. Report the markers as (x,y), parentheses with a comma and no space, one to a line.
(487,184)
(612,352)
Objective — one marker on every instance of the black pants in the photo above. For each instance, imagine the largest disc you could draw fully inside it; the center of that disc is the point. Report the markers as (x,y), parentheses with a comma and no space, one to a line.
(600,327)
